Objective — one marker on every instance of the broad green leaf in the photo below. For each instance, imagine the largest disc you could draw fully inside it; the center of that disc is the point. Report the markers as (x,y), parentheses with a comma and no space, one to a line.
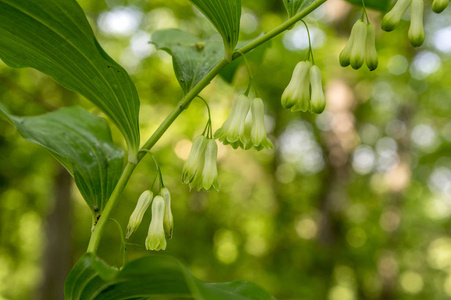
(294,6)
(82,143)
(225,16)
(54,37)
(381,5)
(147,277)
(192,57)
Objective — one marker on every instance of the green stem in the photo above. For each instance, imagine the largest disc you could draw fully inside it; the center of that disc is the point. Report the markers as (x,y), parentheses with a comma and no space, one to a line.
(181,106)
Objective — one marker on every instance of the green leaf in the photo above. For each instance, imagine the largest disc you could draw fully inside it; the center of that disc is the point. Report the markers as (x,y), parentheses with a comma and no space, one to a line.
(192,57)
(82,143)
(381,5)
(294,6)
(54,37)
(225,16)
(151,276)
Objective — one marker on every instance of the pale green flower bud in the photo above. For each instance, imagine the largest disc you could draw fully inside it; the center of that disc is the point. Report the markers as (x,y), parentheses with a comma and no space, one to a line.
(416,30)
(195,159)
(137,216)
(392,19)
(439,5)
(370,48)
(259,138)
(210,171)
(345,55)
(233,128)
(295,91)
(156,237)
(168,220)
(318,101)
(358,47)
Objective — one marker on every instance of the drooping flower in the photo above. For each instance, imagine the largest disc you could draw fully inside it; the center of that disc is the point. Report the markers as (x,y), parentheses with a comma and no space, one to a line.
(318,100)
(358,47)
(168,220)
(370,48)
(416,30)
(392,19)
(210,171)
(297,93)
(259,138)
(439,5)
(193,164)
(232,131)
(156,239)
(354,52)
(136,217)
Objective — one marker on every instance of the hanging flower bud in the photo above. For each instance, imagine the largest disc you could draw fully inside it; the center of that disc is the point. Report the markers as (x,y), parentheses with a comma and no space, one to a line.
(195,159)
(345,55)
(258,132)
(392,19)
(168,220)
(358,47)
(370,48)
(156,237)
(303,101)
(416,30)
(233,128)
(136,217)
(439,5)
(210,171)
(318,101)
(296,90)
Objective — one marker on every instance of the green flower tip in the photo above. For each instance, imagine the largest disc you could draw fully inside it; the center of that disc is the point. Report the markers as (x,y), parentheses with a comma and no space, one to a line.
(439,5)
(136,217)
(156,237)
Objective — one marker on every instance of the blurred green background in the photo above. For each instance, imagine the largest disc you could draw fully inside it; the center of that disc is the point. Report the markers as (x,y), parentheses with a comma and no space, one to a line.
(351,204)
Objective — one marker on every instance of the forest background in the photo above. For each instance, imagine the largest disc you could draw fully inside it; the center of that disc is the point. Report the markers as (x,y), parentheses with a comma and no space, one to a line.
(351,204)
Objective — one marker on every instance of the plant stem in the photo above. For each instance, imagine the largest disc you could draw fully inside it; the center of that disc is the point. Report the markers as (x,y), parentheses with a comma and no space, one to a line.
(181,106)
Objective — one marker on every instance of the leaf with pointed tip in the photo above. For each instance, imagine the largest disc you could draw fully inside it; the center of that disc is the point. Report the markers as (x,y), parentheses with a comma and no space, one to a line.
(82,143)
(294,6)
(54,37)
(147,277)
(225,15)
(381,5)
(192,57)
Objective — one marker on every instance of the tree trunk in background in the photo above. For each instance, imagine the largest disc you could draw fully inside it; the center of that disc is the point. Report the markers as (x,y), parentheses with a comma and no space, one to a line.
(57,256)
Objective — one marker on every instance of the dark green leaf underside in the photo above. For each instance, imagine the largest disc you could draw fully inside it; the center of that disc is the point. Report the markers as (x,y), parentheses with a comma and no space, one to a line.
(54,37)
(192,57)
(82,143)
(151,276)
(381,5)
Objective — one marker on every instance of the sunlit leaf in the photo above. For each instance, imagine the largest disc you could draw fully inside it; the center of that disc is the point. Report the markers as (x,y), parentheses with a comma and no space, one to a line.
(294,6)
(55,38)
(192,57)
(147,277)
(381,5)
(82,143)
(225,16)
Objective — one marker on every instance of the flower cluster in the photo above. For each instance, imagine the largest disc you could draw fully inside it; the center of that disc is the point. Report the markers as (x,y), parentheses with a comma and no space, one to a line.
(361,47)
(162,223)
(305,90)
(200,168)
(238,133)
(416,31)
